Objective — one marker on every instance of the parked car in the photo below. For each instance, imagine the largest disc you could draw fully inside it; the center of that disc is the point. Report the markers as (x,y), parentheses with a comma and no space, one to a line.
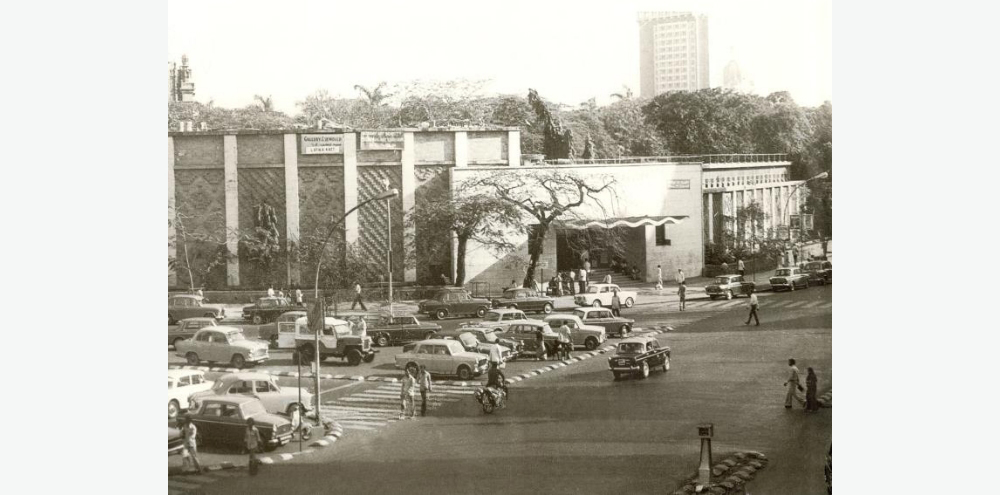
(525,300)
(222,345)
(276,400)
(222,420)
(280,334)
(181,306)
(338,340)
(526,335)
(488,335)
(598,295)
(443,357)
(266,309)
(728,286)
(589,336)
(602,317)
(820,272)
(789,278)
(181,384)
(637,355)
(186,328)
(500,319)
(392,330)
(453,301)
(471,342)
(175,441)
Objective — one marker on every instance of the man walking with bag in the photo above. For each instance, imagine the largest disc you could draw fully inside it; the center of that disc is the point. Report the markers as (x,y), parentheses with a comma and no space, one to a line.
(357,297)
(753,308)
(793,385)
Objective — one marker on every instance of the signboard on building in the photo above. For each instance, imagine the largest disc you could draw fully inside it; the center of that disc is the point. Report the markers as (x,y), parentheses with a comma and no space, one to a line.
(382,140)
(322,144)
(680,184)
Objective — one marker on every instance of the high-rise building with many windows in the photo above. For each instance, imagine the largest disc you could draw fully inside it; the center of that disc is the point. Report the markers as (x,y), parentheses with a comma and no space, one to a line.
(673,52)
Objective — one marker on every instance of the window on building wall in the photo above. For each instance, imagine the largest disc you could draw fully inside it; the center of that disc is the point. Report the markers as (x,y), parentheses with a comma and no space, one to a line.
(661,235)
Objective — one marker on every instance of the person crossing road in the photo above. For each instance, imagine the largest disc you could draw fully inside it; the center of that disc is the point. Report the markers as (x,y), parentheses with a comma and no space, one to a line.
(753,308)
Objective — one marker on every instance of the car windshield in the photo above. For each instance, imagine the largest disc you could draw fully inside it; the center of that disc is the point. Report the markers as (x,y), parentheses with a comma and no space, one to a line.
(511,294)
(491,316)
(468,339)
(814,266)
(455,348)
(593,289)
(722,280)
(783,273)
(253,408)
(218,385)
(339,330)
(630,348)
(487,337)
(580,313)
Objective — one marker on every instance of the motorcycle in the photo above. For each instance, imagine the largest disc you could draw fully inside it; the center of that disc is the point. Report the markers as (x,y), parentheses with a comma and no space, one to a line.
(491,398)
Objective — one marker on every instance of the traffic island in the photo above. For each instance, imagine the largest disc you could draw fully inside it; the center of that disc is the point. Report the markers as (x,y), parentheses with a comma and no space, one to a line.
(729,477)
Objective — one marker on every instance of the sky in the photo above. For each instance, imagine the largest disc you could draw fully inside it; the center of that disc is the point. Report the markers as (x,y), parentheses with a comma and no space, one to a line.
(568,51)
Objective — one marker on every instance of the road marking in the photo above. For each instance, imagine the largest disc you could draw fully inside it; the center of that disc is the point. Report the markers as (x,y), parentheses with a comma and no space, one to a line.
(348,423)
(352,384)
(814,304)
(797,304)
(360,427)
(180,485)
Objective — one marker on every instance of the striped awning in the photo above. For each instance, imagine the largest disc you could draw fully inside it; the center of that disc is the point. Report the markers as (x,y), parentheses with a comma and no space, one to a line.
(621,222)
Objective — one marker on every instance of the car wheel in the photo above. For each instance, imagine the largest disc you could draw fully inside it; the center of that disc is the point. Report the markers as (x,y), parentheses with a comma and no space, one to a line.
(629,302)
(596,303)
(590,343)
(644,370)
(238,361)
(173,409)
(178,339)
(382,340)
(666,364)
(547,308)
(257,320)
(192,358)
(428,335)
(729,294)
(354,357)
(481,312)
(440,314)
(412,367)
(464,373)
(369,358)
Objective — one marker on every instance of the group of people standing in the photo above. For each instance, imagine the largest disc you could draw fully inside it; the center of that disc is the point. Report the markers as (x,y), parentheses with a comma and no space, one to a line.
(414,381)
(296,295)
(252,442)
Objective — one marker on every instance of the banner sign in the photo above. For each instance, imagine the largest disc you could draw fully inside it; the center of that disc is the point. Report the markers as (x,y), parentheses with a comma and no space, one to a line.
(322,144)
(680,184)
(382,140)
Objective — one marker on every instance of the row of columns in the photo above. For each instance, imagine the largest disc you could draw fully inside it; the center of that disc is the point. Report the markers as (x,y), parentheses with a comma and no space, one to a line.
(773,198)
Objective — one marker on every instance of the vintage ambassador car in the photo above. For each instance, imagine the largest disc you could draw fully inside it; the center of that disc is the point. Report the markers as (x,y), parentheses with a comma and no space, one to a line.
(443,357)
(487,335)
(276,400)
(474,340)
(526,335)
(186,329)
(789,279)
(454,301)
(636,355)
(390,330)
(820,272)
(598,295)
(589,336)
(266,309)
(222,345)
(223,420)
(181,384)
(728,286)
(182,306)
(280,334)
(602,317)
(500,319)
(525,300)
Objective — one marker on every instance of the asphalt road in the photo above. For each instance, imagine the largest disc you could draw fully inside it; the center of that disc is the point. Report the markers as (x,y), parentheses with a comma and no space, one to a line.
(576,430)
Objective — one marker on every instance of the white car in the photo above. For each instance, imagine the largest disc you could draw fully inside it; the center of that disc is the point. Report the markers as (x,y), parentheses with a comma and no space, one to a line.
(276,399)
(443,357)
(181,384)
(589,336)
(499,320)
(598,295)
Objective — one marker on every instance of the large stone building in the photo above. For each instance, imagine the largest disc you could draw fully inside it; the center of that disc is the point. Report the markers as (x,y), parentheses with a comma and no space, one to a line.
(673,52)
(223,185)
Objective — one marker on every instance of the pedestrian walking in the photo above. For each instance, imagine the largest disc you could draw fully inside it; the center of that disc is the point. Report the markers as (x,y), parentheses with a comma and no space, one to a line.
(812,405)
(607,278)
(406,395)
(572,282)
(201,294)
(635,272)
(357,297)
(298,298)
(540,339)
(270,292)
(281,293)
(424,379)
(616,303)
(740,267)
(565,340)
(586,265)
(659,277)
(252,441)
(793,385)
(444,280)
(583,280)
(680,276)
(753,305)
(189,451)
(725,268)
(682,295)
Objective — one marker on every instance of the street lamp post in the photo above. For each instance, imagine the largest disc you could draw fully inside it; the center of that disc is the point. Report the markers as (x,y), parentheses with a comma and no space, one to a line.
(821,175)
(321,313)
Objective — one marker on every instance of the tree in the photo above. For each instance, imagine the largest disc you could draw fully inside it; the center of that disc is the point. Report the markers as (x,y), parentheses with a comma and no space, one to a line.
(626,126)
(543,198)
(557,141)
(469,216)
(375,101)
(443,103)
(706,121)
(199,254)
(261,245)
(320,105)
(266,104)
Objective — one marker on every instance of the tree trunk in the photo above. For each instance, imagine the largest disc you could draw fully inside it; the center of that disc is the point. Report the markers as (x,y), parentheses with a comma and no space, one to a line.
(535,244)
(460,270)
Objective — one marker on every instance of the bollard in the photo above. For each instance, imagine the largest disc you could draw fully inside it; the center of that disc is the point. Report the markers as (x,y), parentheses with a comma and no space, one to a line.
(705,431)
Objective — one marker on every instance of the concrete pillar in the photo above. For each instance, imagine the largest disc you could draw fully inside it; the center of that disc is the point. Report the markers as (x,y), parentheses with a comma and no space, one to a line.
(350,186)
(461,149)
(513,148)
(292,204)
(232,211)
(409,184)
(171,212)
(711,218)
(649,232)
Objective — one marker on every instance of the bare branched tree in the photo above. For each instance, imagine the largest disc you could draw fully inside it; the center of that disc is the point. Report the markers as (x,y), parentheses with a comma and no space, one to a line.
(199,254)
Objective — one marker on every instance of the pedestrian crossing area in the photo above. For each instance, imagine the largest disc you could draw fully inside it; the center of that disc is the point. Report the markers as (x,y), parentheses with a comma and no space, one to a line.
(372,409)
(765,302)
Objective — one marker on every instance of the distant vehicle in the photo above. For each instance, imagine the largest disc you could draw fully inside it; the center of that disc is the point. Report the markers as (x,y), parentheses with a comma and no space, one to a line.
(636,355)
(266,309)
(789,279)
(589,336)
(223,420)
(276,400)
(500,319)
(474,340)
(222,345)
(181,306)
(338,340)
(602,317)
(598,295)
(820,272)
(443,357)
(525,300)
(454,301)
(728,286)
(187,327)
(280,334)
(181,384)
(526,335)
(391,330)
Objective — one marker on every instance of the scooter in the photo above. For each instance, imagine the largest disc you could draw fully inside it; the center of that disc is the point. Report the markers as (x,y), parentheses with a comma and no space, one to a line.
(491,398)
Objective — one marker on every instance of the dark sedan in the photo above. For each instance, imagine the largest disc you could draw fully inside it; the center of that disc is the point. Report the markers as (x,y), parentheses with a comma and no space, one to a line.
(223,420)
(392,330)
(454,302)
(182,306)
(266,309)
(820,272)
(526,300)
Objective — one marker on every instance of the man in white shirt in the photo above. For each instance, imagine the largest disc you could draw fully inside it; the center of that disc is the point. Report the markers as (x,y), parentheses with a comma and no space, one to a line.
(495,361)
(357,297)
(793,385)
(565,340)
(740,267)
(298,297)
(583,280)
(753,308)
(270,292)
(680,276)
(572,282)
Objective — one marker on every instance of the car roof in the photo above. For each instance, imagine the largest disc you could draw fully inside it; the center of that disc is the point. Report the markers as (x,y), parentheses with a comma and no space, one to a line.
(729,275)
(189,296)
(636,340)
(435,341)
(244,375)
(506,310)
(560,315)
(231,399)
(199,318)
(224,329)
(182,372)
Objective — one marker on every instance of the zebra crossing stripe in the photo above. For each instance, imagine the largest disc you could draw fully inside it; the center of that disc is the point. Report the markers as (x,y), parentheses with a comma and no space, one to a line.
(813,304)
(360,427)
(348,423)
(265,460)
(286,457)
(797,304)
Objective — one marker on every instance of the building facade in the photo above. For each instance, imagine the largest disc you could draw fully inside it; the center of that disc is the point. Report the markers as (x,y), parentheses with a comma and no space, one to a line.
(673,52)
